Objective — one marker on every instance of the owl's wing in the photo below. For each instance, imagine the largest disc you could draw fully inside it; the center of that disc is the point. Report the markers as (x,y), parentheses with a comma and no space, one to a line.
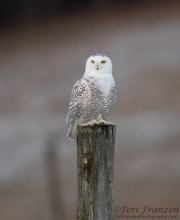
(76,100)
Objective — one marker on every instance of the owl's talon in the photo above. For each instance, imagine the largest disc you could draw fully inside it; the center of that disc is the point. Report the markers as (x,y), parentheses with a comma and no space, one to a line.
(90,123)
(103,122)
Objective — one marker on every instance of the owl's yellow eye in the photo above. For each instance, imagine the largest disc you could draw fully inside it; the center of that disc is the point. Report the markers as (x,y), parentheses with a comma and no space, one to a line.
(92,61)
(103,62)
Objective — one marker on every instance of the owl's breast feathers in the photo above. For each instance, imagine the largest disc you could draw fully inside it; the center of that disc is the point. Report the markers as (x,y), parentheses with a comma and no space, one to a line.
(90,97)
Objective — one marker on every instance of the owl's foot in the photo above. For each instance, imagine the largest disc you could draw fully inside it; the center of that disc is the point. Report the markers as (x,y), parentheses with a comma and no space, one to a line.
(91,123)
(102,122)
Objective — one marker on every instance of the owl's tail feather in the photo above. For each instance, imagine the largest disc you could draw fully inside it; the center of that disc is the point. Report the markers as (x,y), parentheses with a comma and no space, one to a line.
(72,130)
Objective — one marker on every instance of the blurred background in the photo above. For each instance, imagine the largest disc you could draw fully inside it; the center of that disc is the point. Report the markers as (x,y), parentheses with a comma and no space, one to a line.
(43,49)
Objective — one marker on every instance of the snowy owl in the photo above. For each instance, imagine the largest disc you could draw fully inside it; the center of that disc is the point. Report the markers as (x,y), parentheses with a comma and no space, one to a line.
(93,96)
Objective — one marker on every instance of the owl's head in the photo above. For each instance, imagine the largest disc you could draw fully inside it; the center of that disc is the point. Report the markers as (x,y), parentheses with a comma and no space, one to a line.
(100,63)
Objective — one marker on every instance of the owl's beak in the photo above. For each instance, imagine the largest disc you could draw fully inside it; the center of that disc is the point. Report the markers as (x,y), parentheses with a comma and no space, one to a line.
(97,67)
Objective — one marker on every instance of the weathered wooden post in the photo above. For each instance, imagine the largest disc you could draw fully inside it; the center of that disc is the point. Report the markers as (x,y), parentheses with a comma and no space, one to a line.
(95,168)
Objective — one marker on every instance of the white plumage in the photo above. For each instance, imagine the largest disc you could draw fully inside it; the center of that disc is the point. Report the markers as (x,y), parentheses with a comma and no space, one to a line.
(93,96)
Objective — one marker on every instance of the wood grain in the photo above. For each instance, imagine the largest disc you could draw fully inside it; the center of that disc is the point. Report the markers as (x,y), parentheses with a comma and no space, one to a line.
(95,167)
